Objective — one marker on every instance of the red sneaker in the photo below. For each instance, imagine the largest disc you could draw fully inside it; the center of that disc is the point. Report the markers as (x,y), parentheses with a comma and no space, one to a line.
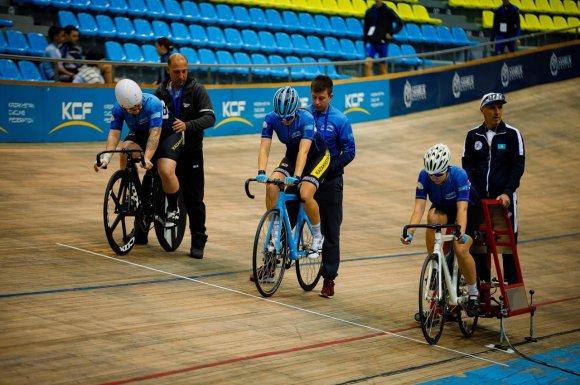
(327,288)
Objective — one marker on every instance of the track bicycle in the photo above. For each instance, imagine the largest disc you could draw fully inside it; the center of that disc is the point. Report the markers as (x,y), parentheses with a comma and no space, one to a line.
(276,245)
(130,203)
(443,291)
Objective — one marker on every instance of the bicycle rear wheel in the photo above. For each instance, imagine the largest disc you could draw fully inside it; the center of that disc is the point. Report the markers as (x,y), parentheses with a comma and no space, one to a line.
(467,324)
(121,204)
(169,238)
(268,265)
(307,269)
(432,303)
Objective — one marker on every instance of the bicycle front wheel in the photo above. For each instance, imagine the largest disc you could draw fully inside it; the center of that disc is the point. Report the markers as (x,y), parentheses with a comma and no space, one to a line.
(268,263)
(307,269)
(120,206)
(169,237)
(432,303)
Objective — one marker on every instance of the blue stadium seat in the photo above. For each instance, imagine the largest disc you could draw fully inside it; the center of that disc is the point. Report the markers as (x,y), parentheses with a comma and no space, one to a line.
(410,50)
(17,44)
(297,72)
(190,54)
(133,52)
(393,50)
(114,51)
(225,57)
(242,58)
(354,27)
(79,5)
(308,24)
(430,34)
(332,47)
(250,39)
(8,70)
(258,58)
(143,30)
(155,9)
(137,8)
(67,18)
(99,6)
(338,26)
(150,53)
(360,47)
(301,45)
(402,35)
(2,42)
(29,71)
(207,57)
(279,72)
(208,14)
(173,10)
(274,20)
(180,33)
(125,29)
(258,18)
(414,34)
(316,46)
(216,37)
(87,24)
(330,70)
(233,39)
(37,43)
(284,43)
(461,37)
(41,3)
(107,28)
(225,16)
(241,16)
(161,29)
(6,23)
(198,36)
(118,7)
(445,35)
(291,21)
(63,4)
(190,12)
(349,50)
(323,24)
(267,42)
(310,72)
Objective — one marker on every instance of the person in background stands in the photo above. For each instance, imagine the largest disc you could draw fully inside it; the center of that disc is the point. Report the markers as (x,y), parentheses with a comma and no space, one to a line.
(70,49)
(506,25)
(55,71)
(91,73)
(165,49)
(381,23)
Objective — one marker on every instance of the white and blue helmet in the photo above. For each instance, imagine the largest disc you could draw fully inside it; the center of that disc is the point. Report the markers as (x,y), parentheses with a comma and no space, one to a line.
(437,159)
(286,102)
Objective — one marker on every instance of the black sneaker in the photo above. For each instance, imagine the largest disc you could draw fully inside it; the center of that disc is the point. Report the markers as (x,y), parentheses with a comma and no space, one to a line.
(196,253)
(472,308)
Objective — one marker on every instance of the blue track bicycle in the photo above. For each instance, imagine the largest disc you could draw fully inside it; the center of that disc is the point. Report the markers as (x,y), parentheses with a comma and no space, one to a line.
(276,245)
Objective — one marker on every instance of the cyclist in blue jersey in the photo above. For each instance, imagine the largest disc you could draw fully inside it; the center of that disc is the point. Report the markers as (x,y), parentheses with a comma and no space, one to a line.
(335,129)
(450,193)
(150,129)
(306,161)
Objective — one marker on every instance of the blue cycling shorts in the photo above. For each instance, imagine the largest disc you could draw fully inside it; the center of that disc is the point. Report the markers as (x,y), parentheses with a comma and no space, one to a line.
(374,49)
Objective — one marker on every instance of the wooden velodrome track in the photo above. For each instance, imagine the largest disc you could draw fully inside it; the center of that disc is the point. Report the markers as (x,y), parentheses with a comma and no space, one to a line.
(71,312)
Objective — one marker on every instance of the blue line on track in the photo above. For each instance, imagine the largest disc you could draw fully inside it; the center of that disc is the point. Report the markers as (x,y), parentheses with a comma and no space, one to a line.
(98,287)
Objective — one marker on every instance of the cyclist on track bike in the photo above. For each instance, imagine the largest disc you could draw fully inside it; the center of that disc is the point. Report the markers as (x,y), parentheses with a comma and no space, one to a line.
(450,193)
(306,161)
(150,129)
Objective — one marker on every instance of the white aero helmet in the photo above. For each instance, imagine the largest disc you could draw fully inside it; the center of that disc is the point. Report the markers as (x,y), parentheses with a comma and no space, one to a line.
(128,93)
(437,159)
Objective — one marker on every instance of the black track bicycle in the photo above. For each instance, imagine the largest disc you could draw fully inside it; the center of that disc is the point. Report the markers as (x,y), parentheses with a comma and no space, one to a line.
(131,203)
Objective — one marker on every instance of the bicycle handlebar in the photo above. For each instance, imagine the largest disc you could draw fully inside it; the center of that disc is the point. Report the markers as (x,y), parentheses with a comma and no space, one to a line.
(127,151)
(277,182)
(436,226)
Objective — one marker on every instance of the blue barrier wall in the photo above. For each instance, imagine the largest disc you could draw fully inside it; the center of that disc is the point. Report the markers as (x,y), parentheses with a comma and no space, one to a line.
(41,113)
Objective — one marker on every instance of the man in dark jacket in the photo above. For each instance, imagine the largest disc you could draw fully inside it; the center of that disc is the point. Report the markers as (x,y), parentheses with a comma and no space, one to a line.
(193,110)
(494,158)
(506,25)
(380,24)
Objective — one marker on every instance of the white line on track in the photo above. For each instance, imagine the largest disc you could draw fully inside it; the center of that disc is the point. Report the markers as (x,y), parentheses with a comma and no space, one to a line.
(283,304)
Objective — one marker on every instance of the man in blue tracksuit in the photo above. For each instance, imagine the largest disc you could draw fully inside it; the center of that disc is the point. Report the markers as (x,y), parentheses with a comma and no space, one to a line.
(506,24)
(494,159)
(336,131)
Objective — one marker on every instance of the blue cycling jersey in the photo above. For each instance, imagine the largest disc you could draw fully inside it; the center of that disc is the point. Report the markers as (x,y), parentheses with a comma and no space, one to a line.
(456,188)
(150,116)
(301,128)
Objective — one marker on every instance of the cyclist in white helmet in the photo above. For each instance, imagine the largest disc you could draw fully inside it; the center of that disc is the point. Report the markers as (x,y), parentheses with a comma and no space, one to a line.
(306,161)
(450,193)
(150,131)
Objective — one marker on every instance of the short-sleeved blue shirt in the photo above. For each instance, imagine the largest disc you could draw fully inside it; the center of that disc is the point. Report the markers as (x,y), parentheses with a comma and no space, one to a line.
(456,188)
(301,128)
(150,116)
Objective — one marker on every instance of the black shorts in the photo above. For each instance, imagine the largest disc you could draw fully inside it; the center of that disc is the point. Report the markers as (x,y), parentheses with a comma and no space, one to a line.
(473,216)
(316,168)
(169,145)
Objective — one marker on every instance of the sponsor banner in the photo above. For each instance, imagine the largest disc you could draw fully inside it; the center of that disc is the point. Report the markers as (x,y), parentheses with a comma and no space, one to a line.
(414,93)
